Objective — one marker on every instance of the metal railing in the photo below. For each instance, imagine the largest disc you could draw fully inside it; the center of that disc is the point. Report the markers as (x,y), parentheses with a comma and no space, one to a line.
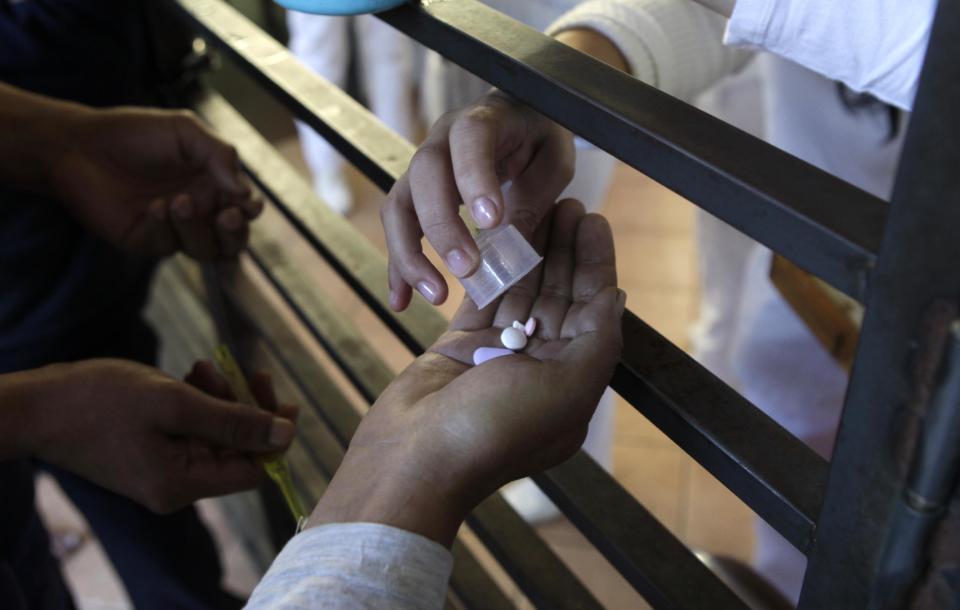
(823,224)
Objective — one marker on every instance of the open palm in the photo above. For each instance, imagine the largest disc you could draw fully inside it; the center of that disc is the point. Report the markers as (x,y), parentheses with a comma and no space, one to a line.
(518,414)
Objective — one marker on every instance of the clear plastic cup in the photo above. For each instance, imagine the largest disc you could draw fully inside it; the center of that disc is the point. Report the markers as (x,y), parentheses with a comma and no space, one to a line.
(506,258)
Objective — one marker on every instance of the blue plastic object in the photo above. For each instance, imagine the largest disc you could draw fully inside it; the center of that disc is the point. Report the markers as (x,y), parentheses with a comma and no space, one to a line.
(339,7)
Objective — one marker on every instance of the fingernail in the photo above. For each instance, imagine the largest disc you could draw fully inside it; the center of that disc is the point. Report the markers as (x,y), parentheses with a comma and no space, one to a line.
(484,211)
(428,291)
(281,432)
(458,263)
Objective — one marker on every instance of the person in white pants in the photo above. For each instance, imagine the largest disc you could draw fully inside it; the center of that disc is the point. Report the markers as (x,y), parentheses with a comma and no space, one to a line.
(774,354)
(386,66)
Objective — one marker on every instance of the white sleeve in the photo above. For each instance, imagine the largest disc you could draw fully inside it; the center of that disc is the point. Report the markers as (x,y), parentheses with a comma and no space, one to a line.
(356,565)
(872,46)
(673,45)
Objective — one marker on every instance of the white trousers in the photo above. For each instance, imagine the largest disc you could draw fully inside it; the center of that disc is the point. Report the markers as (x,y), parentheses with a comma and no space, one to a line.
(749,336)
(386,68)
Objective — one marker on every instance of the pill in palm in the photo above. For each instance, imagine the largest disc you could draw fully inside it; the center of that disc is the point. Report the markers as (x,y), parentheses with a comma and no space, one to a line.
(530,327)
(483,354)
(518,325)
(513,338)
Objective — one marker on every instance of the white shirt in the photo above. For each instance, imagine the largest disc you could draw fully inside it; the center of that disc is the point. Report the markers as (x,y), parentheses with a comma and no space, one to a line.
(872,46)
(356,565)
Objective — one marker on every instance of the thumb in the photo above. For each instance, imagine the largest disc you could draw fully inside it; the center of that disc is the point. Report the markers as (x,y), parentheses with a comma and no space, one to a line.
(230,425)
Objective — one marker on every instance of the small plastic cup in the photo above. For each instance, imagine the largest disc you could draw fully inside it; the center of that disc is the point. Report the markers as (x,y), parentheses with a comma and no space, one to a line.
(506,258)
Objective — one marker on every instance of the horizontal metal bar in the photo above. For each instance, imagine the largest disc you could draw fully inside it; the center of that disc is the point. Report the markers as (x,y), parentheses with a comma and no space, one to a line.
(776,474)
(378,151)
(828,226)
(667,578)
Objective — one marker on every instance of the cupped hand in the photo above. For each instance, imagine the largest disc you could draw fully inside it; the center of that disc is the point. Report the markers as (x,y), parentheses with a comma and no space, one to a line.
(159,441)
(445,434)
(153,182)
(470,156)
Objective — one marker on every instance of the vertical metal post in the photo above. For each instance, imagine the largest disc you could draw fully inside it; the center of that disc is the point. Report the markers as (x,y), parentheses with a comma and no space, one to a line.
(917,267)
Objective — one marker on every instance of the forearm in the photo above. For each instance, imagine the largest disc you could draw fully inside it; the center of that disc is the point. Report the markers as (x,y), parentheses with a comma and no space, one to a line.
(22,398)
(674,45)
(36,132)
(595,44)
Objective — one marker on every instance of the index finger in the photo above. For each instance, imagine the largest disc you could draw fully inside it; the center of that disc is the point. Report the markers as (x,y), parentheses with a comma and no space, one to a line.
(480,137)
(437,203)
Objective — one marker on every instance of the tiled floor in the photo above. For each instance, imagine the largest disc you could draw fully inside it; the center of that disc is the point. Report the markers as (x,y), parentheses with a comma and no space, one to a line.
(657,265)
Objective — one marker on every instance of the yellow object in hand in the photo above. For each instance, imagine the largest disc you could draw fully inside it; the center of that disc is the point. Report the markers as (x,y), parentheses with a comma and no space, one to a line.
(275,465)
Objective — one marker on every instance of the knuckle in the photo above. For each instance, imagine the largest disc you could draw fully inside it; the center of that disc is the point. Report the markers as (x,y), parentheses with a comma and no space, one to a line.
(232,431)
(438,226)
(409,268)
(427,157)
(478,117)
(554,290)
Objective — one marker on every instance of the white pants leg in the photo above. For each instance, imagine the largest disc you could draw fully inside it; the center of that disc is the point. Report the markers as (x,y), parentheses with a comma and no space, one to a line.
(590,184)
(787,373)
(722,254)
(322,43)
(387,72)
(723,251)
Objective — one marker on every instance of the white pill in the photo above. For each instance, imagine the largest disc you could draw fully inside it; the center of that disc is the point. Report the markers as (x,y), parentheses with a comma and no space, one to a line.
(518,325)
(513,339)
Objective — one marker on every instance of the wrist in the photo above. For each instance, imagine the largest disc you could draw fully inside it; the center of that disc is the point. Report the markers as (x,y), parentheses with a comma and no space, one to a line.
(27,400)
(373,486)
(36,131)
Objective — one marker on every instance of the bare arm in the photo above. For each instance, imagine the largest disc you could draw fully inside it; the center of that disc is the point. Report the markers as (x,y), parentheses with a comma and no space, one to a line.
(36,132)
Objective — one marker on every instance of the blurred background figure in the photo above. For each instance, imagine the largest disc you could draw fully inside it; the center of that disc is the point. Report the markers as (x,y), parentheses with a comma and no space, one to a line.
(385,61)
